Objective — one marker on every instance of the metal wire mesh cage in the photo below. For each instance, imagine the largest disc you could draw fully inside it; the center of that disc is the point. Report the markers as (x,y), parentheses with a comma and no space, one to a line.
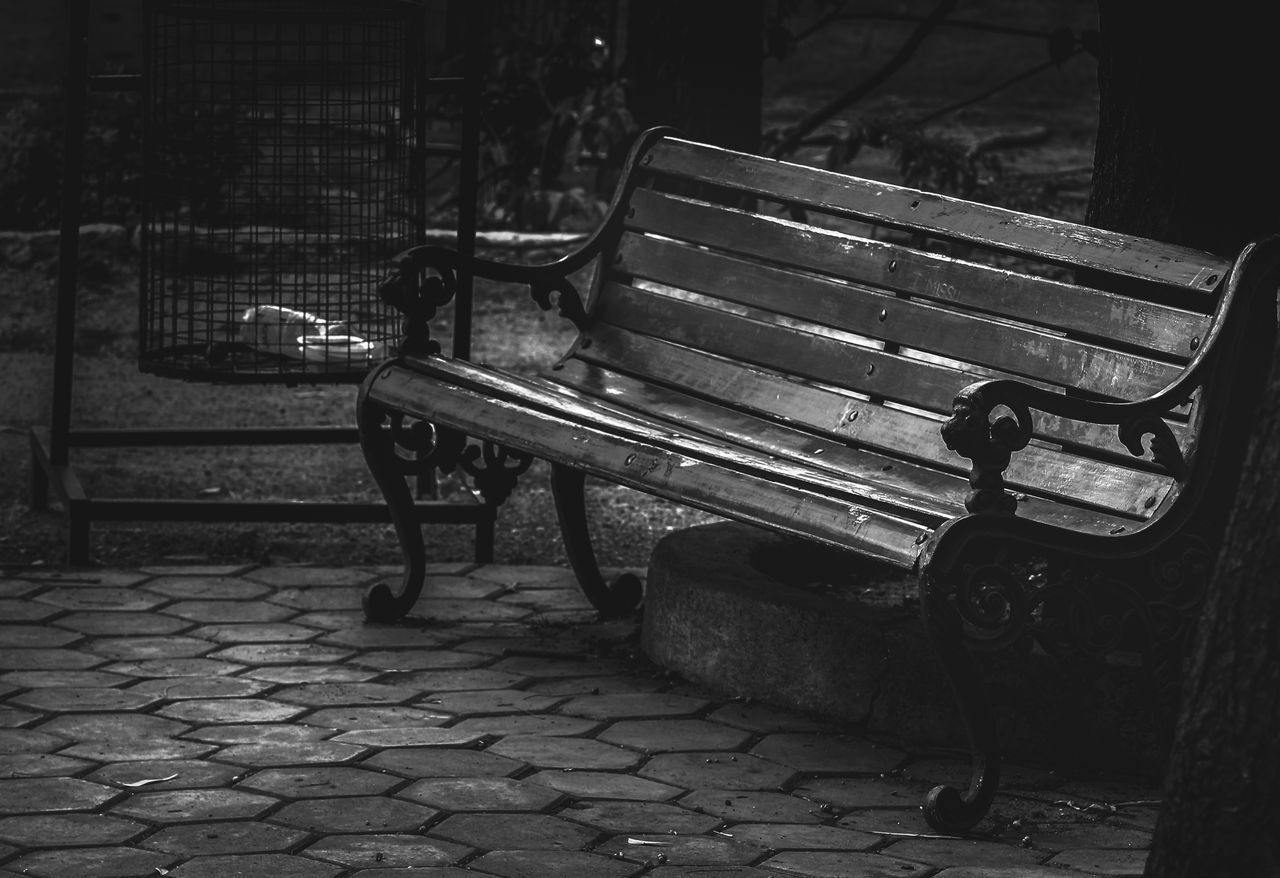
(281,172)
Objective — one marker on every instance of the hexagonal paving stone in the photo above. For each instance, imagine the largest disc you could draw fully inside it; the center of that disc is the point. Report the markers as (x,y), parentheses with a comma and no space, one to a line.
(540,666)
(605,785)
(92,862)
(298,575)
(317,598)
(562,864)
(37,794)
(961,852)
(354,814)
(225,837)
(195,568)
(628,705)
(12,717)
(842,864)
(255,632)
(762,719)
(514,832)
(638,817)
(829,754)
(26,611)
(207,587)
(34,636)
(190,806)
(313,782)
(863,792)
(289,674)
(678,850)
(528,576)
(119,624)
(83,699)
(40,765)
(387,851)
(211,612)
(282,654)
(48,660)
(258,733)
(98,599)
(461,610)
(366,635)
(200,687)
(182,667)
(412,736)
(255,866)
(68,830)
(754,805)
(551,752)
(801,837)
(112,726)
(480,794)
(594,685)
(290,753)
(166,774)
(717,770)
(454,680)
(419,659)
(14,741)
(389,717)
(329,694)
(416,762)
(144,648)
(491,701)
(231,710)
(666,735)
(53,679)
(527,724)
(1102,862)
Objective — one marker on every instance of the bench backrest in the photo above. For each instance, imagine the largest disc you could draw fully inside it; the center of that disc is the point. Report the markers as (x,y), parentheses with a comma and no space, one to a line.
(858,309)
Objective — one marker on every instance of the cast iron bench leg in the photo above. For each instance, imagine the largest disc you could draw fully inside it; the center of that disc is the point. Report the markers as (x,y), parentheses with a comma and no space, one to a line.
(616,599)
(946,808)
(378,444)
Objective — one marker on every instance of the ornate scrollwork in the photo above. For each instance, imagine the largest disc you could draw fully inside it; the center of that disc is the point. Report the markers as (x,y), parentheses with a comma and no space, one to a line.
(495,469)
(1165,450)
(416,447)
(990,445)
(417,298)
(568,303)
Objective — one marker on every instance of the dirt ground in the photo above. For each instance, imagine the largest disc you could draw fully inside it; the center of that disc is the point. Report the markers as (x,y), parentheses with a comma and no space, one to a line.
(1052,114)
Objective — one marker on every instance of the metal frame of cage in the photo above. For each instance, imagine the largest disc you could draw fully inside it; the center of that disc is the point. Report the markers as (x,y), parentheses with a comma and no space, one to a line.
(52,472)
(282,171)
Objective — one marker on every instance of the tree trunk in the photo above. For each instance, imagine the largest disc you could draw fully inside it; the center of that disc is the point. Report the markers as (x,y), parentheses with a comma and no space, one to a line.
(697,66)
(1184,150)
(1184,154)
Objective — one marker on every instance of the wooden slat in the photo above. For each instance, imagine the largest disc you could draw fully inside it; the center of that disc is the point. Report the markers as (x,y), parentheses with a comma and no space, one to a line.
(712,484)
(1042,301)
(999,346)
(812,403)
(522,390)
(1038,470)
(1053,240)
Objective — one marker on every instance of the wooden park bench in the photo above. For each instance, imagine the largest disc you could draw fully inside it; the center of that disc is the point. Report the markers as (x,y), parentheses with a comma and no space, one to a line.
(1043,421)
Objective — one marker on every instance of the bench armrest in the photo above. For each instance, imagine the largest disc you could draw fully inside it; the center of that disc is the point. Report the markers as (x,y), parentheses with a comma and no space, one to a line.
(425,278)
(990,444)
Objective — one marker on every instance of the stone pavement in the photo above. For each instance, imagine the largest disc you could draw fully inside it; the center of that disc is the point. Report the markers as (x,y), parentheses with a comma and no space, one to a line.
(246,721)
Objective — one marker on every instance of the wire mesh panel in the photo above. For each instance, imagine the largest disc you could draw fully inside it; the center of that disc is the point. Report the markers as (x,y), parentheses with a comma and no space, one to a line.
(281,143)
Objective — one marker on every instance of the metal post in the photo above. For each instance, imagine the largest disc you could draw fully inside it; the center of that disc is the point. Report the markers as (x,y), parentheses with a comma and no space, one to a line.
(75,89)
(469,172)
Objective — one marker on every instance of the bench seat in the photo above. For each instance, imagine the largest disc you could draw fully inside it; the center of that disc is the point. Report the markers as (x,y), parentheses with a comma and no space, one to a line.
(1041,420)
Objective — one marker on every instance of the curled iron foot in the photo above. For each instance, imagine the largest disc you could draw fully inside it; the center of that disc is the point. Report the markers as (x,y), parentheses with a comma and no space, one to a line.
(947,810)
(381,604)
(621,597)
